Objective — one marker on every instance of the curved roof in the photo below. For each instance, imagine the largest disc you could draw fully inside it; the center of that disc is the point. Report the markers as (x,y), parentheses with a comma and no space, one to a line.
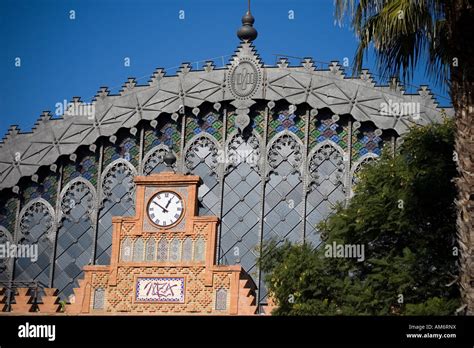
(21,154)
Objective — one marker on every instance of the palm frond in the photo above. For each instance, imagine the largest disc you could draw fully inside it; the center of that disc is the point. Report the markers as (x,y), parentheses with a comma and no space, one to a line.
(401,32)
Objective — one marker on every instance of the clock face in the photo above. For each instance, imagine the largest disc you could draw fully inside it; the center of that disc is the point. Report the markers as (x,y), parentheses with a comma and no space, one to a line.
(165,208)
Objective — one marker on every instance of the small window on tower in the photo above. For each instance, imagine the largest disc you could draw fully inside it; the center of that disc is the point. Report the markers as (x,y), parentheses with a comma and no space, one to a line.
(221,300)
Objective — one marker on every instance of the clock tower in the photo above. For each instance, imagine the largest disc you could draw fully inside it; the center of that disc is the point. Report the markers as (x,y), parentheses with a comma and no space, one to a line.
(164,259)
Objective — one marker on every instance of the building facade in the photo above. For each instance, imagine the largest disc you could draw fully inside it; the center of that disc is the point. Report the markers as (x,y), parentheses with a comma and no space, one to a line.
(276,148)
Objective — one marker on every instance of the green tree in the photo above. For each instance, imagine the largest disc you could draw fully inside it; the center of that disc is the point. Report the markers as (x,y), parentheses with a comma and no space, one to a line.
(441,34)
(403,214)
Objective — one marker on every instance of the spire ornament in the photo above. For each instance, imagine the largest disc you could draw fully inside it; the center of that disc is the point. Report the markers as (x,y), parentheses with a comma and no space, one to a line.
(247,32)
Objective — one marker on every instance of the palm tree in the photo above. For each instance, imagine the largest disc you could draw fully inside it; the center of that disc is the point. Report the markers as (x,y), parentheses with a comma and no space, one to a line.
(441,34)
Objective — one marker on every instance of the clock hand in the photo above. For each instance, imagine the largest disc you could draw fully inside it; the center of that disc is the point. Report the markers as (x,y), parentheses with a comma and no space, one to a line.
(164,209)
(167,204)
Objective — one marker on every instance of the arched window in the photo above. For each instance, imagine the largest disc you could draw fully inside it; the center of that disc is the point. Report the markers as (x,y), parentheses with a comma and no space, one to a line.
(174,250)
(5,263)
(150,249)
(221,300)
(75,235)
(283,203)
(199,249)
(202,159)
(118,197)
(126,250)
(99,299)
(138,250)
(162,250)
(187,254)
(240,230)
(153,161)
(326,169)
(36,230)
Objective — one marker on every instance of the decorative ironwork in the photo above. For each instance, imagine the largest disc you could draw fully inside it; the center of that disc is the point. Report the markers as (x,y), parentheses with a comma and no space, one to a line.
(283,203)
(5,264)
(202,158)
(326,188)
(270,187)
(118,199)
(241,203)
(36,227)
(285,154)
(359,165)
(153,160)
(75,234)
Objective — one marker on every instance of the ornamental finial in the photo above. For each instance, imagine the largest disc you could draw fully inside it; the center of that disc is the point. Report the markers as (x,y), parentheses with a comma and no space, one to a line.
(247,32)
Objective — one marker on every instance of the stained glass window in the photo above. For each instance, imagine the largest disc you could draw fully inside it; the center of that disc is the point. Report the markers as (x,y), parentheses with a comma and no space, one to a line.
(286,120)
(45,189)
(366,139)
(126,147)
(329,127)
(8,208)
(85,166)
(167,133)
(210,123)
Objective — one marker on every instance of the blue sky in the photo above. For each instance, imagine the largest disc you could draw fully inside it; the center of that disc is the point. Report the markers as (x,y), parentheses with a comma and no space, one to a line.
(62,58)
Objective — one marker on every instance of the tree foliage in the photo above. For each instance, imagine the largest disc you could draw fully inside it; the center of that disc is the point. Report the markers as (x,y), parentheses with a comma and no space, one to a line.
(403,32)
(403,213)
